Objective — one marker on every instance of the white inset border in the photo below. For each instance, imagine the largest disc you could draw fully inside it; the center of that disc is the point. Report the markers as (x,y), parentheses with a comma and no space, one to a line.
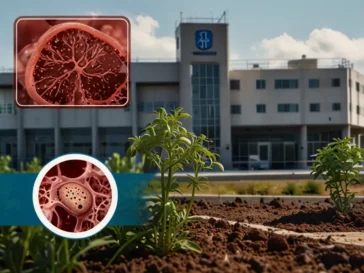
(99,226)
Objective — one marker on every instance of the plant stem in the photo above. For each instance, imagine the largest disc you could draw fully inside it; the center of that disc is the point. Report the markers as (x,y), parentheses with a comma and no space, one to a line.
(166,230)
(67,254)
(135,237)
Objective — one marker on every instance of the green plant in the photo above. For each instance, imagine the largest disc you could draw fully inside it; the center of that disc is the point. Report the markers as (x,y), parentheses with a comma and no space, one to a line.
(259,188)
(15,244)
(5,161)
(33,166)
(42,252)
(336,163)
(290,189)
(125,164)
(312,187)
(182,148)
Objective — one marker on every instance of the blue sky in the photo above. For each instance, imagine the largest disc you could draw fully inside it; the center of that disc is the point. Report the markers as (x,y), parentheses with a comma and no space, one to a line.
(258,29)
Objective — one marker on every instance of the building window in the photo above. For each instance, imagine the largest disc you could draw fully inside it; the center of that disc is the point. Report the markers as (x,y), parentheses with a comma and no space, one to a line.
(286,84)
(150,107)
(7,106)
(357,86)
(158,104)
(234,84)
(313,83)
(358,109)
(236,109)
(336,106)
(350,106)
(260,84)
(261,108)
(177,42)
(314,107)
(206,102)
(335,82)
(288,107)
(170,106)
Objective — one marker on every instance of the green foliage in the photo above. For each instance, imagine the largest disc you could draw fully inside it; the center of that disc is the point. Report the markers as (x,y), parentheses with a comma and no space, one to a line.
(336,164)
(39,251)
(33,166)
(182,148)
(259,188)
(4,164)
(312,187)
(290,189)
(125,164)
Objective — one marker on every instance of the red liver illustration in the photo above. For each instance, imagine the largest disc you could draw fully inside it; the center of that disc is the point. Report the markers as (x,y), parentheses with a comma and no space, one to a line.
(72,63)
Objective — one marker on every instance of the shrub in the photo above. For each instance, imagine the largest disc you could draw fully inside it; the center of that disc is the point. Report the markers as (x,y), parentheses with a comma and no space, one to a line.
(290,189)
(4,164)
(48,253)
(166,135)
(312,187)
(33,166)
(336,164)
(125,164)
(259,188)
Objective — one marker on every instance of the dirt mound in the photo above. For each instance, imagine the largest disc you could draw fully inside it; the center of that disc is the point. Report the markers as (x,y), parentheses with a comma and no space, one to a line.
(296,216)
(226,250)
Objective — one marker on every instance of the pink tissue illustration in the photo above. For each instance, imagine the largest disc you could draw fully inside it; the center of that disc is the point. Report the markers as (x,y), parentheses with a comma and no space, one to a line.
(75,195)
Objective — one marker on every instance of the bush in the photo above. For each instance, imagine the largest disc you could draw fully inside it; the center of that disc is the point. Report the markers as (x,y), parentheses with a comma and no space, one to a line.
(312,187)
(33,166)
(336,163)
(125,164)
(153,187)
(165,135)
(5,164)
(259,188)
(290,189)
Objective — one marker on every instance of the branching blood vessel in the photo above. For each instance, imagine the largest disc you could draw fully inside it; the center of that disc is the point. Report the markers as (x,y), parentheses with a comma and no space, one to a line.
(75,64)
(75,196)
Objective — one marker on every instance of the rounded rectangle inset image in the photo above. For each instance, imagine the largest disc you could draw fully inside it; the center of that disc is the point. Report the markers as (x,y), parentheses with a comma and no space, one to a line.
(72,61)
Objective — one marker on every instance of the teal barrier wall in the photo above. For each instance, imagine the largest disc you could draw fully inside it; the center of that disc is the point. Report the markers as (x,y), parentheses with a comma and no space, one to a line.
(16,204)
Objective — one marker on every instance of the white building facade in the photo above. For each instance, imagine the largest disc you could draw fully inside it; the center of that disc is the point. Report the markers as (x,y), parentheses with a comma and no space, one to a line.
(260,114)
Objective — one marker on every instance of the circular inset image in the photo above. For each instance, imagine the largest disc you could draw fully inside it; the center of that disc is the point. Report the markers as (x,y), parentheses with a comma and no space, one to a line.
(75,196)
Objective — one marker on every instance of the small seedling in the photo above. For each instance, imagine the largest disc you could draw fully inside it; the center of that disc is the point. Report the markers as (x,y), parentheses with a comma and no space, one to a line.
(337,164)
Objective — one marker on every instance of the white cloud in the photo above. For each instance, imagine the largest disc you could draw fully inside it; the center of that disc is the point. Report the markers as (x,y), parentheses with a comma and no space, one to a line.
(234,56)
(321,43)
(145,44)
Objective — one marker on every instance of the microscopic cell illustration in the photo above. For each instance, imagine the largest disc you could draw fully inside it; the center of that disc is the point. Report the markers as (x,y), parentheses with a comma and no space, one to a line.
(75,196)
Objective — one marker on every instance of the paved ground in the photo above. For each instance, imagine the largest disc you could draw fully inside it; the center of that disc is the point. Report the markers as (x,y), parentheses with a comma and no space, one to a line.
(252,175)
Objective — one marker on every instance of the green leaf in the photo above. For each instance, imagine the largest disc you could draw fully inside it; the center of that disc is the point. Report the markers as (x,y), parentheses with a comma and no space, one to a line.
(93,244)
(189,245)
(219,165)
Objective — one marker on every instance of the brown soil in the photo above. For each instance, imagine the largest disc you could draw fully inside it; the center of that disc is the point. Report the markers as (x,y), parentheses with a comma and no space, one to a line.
(296,216)
(229,248)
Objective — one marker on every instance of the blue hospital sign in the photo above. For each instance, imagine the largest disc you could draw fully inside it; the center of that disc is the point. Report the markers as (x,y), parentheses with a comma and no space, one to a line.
(203,39)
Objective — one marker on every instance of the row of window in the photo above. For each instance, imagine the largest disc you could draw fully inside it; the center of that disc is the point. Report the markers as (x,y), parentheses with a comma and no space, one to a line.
(286,84)
(150,107)
(285,108)
(359,109)
(7,109)
(357,85)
